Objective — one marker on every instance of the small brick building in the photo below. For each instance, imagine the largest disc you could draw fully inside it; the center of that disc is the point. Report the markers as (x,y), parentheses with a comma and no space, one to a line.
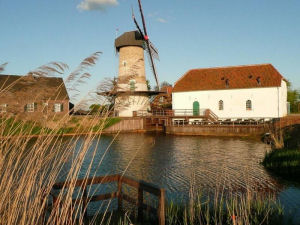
(33,97)
(163,100)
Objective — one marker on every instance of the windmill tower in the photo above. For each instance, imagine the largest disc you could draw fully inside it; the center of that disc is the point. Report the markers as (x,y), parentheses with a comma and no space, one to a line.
(133,94)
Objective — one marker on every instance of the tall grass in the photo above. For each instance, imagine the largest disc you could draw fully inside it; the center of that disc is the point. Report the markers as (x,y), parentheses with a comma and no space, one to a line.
(244,208)
(29,167)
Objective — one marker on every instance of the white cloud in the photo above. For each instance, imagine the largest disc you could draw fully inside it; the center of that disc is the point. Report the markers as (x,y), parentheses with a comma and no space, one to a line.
(161,20)
(96,4)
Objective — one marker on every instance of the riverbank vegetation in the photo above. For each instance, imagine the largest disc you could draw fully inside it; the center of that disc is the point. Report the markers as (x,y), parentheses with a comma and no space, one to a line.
(293,96)
(247,208)
(286,162)
(244,209)
(13,126)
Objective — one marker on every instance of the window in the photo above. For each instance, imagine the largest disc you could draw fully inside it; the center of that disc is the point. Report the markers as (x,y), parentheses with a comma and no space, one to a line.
(258,80)
(132,85)
(248,105)
(3,108)
(58,107)
(227,83)
(221,105)
(45,107)
(31,107)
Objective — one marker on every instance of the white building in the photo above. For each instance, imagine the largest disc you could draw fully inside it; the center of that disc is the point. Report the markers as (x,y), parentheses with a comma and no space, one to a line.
(252,91)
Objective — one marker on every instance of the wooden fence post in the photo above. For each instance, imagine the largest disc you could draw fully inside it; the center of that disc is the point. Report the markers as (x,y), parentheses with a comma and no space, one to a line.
(161,207)
(140,204)
(54,200)
(84,205)
(119,193)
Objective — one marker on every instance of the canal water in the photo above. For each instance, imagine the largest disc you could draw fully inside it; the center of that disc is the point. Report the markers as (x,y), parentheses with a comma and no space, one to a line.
(178,162)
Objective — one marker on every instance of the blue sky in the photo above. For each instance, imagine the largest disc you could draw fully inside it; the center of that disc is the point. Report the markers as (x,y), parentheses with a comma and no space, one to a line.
(188,34)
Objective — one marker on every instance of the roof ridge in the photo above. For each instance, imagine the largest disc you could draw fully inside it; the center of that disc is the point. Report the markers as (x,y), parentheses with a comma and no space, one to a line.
(238,66)
(15,75)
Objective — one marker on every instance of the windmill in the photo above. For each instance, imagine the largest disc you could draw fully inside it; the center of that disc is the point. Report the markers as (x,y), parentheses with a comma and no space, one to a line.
(133,94)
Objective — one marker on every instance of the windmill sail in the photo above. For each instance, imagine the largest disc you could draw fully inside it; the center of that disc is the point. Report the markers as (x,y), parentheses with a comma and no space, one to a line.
(152,67)
(152,51)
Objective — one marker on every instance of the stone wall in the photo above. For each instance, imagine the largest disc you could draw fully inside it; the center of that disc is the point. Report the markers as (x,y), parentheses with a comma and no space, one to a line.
(43,109)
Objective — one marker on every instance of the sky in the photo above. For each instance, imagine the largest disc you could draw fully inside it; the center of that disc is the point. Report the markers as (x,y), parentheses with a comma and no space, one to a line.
(187,33)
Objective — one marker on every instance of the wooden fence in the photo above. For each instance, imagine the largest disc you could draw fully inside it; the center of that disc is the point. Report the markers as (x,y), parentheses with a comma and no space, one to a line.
(126,124)
(141,187)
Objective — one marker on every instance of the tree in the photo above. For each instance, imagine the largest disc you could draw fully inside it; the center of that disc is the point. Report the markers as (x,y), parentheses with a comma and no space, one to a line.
(293,99)
(162,84)
(148,85)
(95,108)
(108,89)
(293,96)
(165,84)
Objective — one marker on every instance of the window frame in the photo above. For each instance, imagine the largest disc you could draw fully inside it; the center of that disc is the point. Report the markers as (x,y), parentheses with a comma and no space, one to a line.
(58,106)
(221,105)
(132,85)
(249,105)
(30,107)
(3,108)
(258,80)
(227,83)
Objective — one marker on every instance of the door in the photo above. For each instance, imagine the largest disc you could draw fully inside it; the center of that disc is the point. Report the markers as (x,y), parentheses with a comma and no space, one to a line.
(196,108)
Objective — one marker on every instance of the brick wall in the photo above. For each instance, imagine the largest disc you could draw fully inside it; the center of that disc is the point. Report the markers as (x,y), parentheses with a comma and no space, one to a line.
(42,110)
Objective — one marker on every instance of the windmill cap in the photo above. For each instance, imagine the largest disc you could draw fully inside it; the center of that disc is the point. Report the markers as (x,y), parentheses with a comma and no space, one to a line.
(131,38)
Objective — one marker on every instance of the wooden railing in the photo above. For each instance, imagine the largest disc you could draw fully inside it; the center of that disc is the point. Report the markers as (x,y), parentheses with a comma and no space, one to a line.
(171,113)
(224,122)
(141,187)
(145,113)
(211,115)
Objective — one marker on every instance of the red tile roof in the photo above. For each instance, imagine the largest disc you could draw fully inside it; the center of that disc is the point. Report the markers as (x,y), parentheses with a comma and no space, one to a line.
(249,76)
(167,89)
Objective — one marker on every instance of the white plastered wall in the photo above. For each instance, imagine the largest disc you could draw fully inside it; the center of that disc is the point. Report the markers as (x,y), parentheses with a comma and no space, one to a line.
(126,104)
(266,102)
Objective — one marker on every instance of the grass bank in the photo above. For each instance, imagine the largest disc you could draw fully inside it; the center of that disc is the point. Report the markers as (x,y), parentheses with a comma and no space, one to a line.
(286,162)
(69,125)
